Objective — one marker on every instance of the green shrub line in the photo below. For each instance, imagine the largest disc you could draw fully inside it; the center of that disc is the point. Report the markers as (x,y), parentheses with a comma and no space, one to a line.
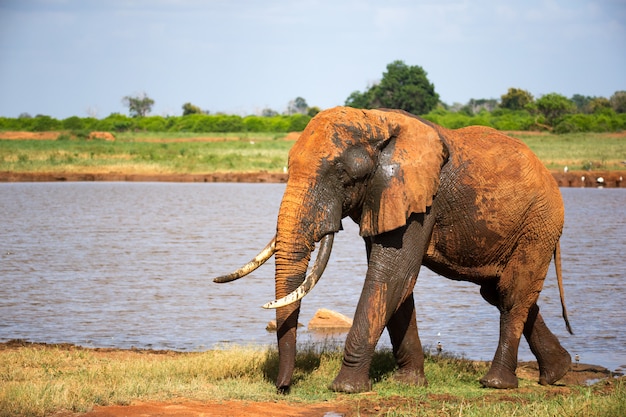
(194,123)
(604,120)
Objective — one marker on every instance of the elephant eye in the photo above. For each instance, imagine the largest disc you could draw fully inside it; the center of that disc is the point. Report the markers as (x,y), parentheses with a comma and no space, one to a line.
(357,164)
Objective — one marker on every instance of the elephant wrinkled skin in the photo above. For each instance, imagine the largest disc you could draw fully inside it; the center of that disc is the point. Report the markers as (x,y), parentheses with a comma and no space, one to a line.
(470,204)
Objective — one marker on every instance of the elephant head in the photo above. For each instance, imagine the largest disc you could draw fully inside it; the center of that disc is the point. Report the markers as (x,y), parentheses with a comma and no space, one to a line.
(347,162)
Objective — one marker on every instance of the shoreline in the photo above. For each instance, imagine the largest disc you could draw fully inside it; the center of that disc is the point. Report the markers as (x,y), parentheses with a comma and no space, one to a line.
(607,179)
(578,374)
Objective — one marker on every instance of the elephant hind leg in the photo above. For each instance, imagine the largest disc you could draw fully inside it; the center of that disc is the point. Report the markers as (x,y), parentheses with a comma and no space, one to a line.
(514,302)
(554,361)
(407,348)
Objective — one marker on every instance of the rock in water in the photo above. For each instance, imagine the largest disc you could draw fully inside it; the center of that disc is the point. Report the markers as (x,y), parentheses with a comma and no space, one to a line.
(329,320)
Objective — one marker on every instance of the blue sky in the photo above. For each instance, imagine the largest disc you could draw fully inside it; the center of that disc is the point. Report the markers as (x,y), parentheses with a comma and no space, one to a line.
(80,57)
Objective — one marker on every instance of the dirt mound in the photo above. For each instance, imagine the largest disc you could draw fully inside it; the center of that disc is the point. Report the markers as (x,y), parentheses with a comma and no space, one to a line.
(101,135)
(293,136)
(29,135)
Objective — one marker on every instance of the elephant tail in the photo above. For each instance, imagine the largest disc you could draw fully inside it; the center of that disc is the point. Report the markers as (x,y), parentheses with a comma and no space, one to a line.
(559,279)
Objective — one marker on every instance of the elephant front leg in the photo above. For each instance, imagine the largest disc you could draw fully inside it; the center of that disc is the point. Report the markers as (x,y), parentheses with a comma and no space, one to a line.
(369,322)
(394,261)
(407,347)
(554,361)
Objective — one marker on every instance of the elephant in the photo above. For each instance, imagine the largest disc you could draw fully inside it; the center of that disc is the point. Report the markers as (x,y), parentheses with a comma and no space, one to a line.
(470,204)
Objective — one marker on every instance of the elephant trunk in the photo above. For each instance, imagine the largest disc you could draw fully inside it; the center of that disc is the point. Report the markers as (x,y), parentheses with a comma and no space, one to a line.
(300,225)
(293,252)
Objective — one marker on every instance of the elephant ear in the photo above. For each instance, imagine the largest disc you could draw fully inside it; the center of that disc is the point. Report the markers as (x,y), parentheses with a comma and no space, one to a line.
(406,178)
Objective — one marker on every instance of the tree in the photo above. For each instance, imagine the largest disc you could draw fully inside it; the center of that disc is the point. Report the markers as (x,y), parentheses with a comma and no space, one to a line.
(189,108)
(516,99)
(618,101)
(312,111)
(297,106)
(582,102)
(267,112)
(360,100)
(553,106)
(474,106)
(597,104)
(138,106)
(402,87)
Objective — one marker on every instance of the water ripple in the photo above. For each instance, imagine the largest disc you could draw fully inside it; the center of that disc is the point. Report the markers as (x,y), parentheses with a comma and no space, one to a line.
(129,264)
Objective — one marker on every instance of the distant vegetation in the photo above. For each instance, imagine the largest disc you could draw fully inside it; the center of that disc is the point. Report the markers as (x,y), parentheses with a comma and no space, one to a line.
(192,123)
(604,120)
(402,87)
(407,88)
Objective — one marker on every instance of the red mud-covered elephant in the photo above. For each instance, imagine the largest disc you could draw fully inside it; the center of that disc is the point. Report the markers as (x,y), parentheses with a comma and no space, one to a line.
(470,204)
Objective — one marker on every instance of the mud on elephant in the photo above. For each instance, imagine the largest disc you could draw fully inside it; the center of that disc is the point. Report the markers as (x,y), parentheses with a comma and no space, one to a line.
(470,204)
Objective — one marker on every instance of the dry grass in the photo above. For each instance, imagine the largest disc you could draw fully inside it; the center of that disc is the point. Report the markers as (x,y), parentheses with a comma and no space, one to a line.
(38,380)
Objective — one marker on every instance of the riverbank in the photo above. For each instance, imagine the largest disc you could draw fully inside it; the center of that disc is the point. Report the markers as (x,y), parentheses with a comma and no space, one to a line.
(608,179)
(67,380)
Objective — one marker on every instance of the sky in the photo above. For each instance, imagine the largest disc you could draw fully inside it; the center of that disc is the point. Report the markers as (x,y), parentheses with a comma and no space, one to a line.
(67,58)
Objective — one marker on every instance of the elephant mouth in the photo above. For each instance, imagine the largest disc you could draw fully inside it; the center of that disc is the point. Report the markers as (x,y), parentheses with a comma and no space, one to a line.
(326,245)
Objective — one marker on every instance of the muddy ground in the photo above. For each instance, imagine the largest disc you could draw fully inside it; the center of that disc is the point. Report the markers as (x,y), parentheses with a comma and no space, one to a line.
(362,405)
(608,179)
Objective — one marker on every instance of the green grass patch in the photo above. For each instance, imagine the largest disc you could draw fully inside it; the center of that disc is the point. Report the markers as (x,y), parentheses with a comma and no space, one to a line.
(37,380)
(193,153)
(146,153)
(578,151)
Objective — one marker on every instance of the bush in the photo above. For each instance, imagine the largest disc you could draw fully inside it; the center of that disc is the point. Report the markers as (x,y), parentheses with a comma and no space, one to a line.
(10,123)
(220,123)
(153,124)
(116,122)
(73,123)
(512,120)
(298,122)
(276,123)
(448,119)
(186,123)
(256,123)
(603,121)
(43,123)
(279,124)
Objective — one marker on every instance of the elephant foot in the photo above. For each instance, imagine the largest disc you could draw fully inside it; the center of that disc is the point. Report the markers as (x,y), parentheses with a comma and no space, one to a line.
(351,385)
(283,389)
(411,377)
(500,379)
(555,370)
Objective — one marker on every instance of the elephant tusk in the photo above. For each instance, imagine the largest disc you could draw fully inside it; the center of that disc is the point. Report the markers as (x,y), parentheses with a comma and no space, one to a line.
(258,260)
(326,246)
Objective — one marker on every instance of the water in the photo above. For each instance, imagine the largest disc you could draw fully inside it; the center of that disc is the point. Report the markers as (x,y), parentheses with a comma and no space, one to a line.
(130,264)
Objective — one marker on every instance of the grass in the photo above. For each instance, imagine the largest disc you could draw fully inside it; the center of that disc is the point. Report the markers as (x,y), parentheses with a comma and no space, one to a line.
(37,380)
(578,151)
(180,153)
(143,153)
